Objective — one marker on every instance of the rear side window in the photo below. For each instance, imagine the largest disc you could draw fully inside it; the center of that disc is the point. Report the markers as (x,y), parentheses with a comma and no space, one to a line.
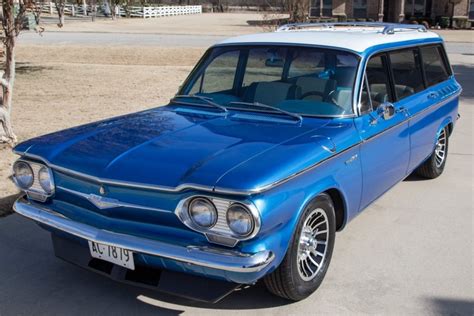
(434,66)
(407,74)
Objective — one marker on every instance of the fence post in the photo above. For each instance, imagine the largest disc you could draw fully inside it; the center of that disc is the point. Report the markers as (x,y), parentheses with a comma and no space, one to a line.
(50,8)
(73,10)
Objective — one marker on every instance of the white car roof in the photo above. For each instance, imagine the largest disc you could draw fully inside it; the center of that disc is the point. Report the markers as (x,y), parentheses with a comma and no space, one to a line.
(356,39)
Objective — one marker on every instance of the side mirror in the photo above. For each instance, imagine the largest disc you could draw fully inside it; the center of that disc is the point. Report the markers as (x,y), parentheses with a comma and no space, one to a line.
(386,110)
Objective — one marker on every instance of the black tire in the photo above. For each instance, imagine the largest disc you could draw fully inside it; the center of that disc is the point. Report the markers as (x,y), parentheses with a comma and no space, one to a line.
(431,168)
(286,280)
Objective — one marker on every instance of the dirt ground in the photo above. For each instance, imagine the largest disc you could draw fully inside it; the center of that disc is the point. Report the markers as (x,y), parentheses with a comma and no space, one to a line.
(60,87)
(226,24)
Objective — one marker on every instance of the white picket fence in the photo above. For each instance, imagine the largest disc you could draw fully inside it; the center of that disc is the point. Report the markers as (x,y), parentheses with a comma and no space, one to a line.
(155,12)
(135,11)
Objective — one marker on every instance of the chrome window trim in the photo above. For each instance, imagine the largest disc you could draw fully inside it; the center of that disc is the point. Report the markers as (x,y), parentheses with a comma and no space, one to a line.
(363,67)
(343,49)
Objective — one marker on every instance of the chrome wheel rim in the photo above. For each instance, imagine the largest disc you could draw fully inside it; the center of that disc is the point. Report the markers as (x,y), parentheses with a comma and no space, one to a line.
(440,150)
(312,244)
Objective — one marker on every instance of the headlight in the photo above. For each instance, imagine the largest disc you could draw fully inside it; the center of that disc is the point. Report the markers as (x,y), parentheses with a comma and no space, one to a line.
(240,220)
(46,180)
(202,212)
(23,175)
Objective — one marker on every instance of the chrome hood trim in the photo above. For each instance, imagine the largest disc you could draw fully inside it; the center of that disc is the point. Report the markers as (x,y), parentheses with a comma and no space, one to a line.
(103,203)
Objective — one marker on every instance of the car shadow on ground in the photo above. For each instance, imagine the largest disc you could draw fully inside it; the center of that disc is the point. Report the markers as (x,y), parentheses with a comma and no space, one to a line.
(6,204)
(249,298)
(49,283)
(448,306)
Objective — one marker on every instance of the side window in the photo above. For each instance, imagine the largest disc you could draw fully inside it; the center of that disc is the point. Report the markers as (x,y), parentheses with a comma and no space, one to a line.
(379,83)
(434,66)
(264,64)
(219,75)
(407,74)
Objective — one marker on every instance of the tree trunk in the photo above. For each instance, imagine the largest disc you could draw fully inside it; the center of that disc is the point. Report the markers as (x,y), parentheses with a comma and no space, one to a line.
(6,131)
(94,10)
(114,11)
(11,29)
(84,7)
(60,4)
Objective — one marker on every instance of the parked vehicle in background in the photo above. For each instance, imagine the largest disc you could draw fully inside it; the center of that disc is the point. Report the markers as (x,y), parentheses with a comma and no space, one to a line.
(274,142)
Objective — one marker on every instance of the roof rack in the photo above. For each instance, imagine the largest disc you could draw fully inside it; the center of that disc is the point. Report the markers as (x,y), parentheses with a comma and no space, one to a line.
(388,28)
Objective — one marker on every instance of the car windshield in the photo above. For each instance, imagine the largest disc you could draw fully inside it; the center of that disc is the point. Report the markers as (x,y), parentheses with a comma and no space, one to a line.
(301,80)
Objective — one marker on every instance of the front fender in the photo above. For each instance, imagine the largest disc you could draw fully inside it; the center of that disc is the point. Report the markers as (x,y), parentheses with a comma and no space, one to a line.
(282,206)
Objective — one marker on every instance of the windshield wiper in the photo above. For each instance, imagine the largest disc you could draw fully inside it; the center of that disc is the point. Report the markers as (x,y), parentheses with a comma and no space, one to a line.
(274,108)
(208,100)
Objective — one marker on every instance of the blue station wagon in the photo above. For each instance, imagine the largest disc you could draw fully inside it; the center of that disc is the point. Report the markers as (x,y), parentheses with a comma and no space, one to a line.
(273,143)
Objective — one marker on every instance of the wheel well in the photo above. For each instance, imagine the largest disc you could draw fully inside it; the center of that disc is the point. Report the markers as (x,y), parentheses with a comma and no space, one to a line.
(339,207)
(450,129)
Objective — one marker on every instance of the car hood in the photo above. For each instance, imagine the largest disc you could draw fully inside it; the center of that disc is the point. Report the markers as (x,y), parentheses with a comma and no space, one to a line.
(173,146)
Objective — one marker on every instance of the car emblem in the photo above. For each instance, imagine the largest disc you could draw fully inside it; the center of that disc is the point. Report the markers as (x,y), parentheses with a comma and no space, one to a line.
(102,190)
(103,202)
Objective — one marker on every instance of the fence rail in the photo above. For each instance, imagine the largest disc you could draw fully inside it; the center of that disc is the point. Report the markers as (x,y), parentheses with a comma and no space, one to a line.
(133,11)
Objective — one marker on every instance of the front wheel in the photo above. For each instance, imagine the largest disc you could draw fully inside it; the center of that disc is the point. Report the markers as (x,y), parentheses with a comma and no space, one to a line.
(309,254)
(434,166)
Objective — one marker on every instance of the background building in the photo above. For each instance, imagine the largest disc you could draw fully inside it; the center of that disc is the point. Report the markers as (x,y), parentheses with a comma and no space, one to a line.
(394,10)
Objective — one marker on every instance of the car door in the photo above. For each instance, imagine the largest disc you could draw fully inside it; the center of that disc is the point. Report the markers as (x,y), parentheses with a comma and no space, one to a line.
(426,114)
(383,129)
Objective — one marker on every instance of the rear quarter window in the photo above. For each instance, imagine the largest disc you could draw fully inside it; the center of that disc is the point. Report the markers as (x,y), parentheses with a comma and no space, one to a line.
(434,65)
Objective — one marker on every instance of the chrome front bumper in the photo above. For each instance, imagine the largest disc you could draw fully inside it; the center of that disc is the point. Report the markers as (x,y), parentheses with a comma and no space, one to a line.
(208,257)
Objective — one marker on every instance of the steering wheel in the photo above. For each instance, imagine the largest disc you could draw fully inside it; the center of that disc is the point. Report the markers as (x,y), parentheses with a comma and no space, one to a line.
(311,93)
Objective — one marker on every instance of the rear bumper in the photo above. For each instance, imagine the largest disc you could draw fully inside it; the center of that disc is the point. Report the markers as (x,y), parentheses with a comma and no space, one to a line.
(205,257)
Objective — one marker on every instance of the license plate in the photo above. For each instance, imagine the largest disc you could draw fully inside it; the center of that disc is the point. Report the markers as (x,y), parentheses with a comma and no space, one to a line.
(113,254)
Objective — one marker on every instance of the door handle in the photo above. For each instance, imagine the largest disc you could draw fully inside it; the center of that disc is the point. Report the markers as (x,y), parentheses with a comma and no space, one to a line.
(401,109)
(432,95)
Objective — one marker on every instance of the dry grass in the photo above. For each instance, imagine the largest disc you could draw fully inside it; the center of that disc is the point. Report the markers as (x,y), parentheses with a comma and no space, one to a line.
(226,24)
(59,87)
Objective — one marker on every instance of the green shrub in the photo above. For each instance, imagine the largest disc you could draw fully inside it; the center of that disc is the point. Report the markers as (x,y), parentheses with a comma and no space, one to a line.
(444,22)
(341,18)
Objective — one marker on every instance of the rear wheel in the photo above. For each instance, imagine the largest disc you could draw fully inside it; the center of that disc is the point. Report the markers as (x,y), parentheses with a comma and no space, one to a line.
(309,254)
(434,166)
